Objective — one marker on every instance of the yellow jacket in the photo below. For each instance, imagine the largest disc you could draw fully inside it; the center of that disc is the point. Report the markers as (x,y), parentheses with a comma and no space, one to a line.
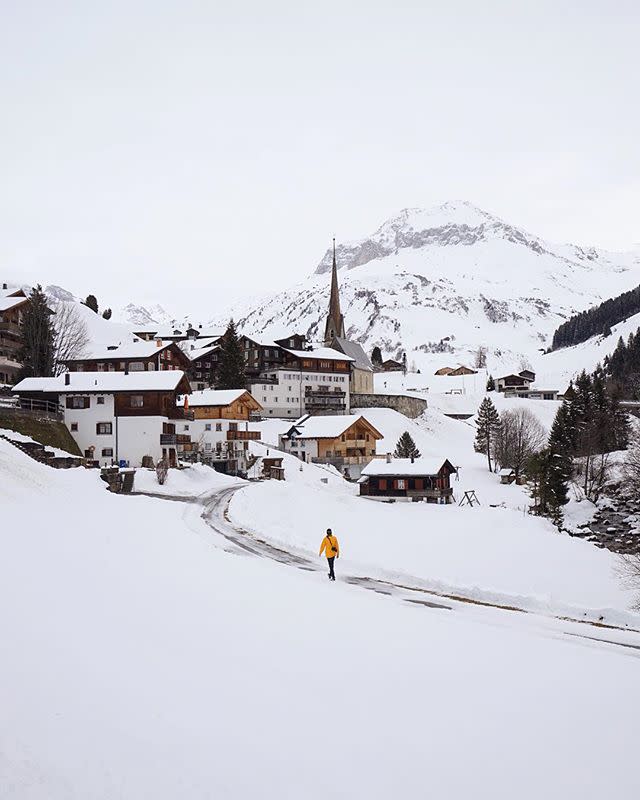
(328,543)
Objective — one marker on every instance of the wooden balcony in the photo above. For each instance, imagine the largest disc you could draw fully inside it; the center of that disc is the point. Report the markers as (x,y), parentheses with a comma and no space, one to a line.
(243,436)
(181,413)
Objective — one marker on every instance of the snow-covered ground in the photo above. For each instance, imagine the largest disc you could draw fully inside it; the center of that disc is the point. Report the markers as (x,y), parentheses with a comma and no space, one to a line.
(141,659)
(495,552)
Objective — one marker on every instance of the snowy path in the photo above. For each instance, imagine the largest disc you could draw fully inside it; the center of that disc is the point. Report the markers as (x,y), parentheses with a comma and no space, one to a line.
(241,542)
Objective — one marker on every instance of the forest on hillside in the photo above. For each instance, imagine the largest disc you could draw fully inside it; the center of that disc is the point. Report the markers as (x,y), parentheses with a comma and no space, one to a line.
(597,321)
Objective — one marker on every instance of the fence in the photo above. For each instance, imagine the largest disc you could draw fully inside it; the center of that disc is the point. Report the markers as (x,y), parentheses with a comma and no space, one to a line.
(40,408)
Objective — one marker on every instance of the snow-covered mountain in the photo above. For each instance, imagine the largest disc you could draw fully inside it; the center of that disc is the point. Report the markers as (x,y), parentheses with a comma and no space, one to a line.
(439,283)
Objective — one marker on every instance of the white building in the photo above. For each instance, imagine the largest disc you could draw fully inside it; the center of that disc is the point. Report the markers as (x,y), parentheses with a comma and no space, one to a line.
(220,428)
(312,381)
(116,416)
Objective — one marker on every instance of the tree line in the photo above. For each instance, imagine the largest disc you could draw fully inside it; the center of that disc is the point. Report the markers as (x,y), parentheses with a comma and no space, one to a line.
(588,425)
(622,367)
(597,321)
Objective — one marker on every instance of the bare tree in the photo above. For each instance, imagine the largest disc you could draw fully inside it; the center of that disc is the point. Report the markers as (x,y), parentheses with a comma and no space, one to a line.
(631,467)
(629,572)
(70,335)
(520,436)
(481,357)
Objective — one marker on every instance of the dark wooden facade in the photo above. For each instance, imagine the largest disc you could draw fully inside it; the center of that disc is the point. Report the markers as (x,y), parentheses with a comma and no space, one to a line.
(11,339)
(432,488)
(166,357)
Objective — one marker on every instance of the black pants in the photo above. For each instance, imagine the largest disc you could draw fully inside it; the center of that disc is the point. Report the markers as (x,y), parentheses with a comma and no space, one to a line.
(331,572)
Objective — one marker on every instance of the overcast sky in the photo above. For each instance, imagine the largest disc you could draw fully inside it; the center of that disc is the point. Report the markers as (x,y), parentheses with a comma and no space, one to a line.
(168,151)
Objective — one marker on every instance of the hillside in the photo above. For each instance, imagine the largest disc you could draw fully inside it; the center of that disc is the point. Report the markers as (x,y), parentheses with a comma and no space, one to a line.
(438,283)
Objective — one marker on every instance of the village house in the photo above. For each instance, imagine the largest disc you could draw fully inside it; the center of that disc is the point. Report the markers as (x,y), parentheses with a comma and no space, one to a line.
(173,333)
(204,362)
(12,305)
(521,380)
(408,479)
(390,365)
(347,442)
(220,428)
(307,381)
(119,417)
(132,356)
(531,393)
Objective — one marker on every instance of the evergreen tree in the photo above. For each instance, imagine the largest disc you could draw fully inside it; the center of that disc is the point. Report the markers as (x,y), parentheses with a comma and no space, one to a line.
(376,356)
(404,363)
(91,302)
(232,369)
(37,351)
(491,384)
(406,447)
(107,313)
(488,424)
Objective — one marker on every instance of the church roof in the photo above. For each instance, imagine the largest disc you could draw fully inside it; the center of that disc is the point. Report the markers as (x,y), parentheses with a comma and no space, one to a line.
(355,351)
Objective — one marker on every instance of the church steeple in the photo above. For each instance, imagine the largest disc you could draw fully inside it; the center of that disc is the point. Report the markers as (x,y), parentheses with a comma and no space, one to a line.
(335,321)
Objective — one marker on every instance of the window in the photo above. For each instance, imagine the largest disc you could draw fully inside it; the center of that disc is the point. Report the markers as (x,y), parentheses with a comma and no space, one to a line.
(186,427)
(100,401)
(107,452)
(401,483)
(207,445)
(218,426)
(77,402)
(233,426)
(136,366)
(207,427)
(264,399)
(103,428)
(74,427)
(137,401)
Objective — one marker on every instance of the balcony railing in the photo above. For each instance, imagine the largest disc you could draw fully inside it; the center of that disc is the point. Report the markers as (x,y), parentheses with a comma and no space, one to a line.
(243,435)
(10,327)
(339,461)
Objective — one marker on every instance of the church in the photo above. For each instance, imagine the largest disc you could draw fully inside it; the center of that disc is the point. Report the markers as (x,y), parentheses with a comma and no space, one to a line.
(361,380)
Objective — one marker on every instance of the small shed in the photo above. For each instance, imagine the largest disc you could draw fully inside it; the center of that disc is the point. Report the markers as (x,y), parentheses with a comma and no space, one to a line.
(272,468)
(507,475)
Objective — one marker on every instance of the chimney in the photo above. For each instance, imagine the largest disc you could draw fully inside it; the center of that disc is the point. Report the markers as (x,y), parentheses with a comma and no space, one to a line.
(4,286)
(412,459)
(388,458)
(158,341)
(67,378)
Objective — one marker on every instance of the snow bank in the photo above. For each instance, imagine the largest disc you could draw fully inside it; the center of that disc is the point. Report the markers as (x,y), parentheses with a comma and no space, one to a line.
(142,660)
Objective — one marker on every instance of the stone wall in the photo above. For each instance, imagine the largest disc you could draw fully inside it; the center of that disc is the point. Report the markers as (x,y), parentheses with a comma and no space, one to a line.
(411,407)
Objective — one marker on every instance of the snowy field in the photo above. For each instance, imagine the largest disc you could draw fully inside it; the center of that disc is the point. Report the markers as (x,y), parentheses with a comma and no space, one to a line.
(495,553)
(142,660)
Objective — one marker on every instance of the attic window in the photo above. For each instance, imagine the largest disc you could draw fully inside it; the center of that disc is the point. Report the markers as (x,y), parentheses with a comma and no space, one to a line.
(137,401)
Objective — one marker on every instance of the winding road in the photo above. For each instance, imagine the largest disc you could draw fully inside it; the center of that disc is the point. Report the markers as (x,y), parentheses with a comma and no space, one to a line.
(242,542)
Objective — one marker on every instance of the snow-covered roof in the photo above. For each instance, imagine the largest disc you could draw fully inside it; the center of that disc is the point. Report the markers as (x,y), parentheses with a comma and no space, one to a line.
(322,353)
(404,466)
(195,349)
(8,302)
(327,427)
(135,348)
(137,381)
(505,471)
(356,352)
(215,397)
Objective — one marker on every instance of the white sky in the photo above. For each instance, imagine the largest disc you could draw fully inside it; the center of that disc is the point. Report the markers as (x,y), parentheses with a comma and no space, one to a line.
(188,152)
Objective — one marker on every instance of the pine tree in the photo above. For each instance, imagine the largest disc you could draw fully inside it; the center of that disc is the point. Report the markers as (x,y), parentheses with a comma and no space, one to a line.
(491,384)
(487,423)
(406,447)
(107,313)
(232,370)
(376,357)
(37,351)
(91,302)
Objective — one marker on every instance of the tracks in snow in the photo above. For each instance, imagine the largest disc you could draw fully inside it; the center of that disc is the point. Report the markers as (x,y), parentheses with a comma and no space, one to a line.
(242,542)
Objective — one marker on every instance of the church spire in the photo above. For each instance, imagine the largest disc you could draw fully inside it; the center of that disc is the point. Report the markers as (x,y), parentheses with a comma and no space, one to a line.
(335,321)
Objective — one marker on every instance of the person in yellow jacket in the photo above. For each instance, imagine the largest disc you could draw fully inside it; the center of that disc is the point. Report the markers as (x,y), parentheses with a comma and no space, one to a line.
(331,549)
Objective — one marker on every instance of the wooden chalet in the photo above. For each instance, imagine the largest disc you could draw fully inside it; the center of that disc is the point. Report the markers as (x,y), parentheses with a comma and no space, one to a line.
(408,479)
(236,404)
(392,366)
(348,442)
(133,356)
(520,380)
(462,370)
(444,371)
(12,306)
(204,360)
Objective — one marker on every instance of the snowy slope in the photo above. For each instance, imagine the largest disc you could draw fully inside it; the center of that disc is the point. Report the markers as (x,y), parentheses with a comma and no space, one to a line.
(438,283)
(145,661)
